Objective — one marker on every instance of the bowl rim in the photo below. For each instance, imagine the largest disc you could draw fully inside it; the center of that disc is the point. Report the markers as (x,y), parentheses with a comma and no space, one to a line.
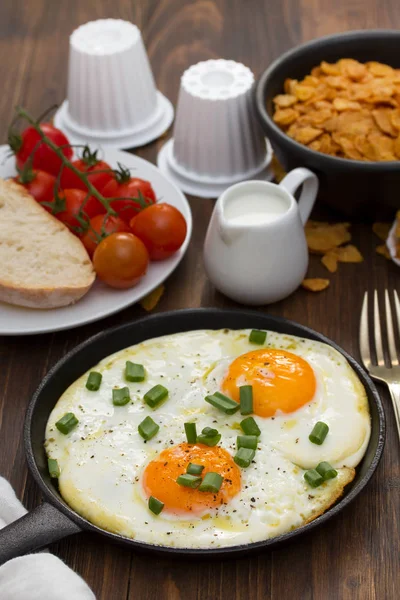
(326,160)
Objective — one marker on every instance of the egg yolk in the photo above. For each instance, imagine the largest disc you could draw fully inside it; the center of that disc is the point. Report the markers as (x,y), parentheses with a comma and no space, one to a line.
(160,475)
(281,380)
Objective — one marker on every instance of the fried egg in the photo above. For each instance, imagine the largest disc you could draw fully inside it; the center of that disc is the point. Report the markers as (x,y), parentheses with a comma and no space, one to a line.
(108,471)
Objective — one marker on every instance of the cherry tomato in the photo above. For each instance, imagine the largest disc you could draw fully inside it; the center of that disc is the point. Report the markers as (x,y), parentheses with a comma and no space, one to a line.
(99,228)
(74,206)
(121,260)
(162,229)
(44,158)
(38,183)
(125,187)
(98,172)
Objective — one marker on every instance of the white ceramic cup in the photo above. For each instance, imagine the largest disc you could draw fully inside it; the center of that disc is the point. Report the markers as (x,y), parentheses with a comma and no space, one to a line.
(255,250)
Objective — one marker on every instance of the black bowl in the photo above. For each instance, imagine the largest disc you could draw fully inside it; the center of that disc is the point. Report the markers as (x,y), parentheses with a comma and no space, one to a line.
(365,189)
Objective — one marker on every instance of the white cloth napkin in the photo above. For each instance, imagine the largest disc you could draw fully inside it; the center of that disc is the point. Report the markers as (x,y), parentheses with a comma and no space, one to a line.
(35,576)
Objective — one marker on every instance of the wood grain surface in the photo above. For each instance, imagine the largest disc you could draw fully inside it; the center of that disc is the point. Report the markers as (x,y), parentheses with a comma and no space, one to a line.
(355,556)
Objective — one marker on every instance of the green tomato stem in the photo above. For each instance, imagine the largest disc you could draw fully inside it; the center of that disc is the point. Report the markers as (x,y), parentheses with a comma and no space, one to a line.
(67,163)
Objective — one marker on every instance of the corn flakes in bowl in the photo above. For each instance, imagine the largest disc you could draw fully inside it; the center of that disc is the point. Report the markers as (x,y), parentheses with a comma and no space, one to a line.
(333,105)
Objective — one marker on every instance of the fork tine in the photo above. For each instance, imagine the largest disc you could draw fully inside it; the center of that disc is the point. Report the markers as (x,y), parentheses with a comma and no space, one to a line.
(390,332)
(378,335)
(365,351)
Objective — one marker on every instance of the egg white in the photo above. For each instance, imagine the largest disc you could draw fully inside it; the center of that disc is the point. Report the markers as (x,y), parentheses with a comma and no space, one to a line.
(102,460)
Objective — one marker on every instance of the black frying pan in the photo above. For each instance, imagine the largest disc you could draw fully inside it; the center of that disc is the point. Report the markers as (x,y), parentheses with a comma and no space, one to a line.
(54,520)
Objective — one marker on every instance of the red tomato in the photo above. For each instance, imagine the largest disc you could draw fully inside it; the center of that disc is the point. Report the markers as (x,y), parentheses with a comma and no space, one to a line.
(121,260)
(75,209)
(39,184)
(98,172)
(162,228)
(43,158)
(100,227)
(135,194)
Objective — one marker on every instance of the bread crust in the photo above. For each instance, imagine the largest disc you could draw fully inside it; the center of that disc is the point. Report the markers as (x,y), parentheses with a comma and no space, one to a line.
(44,297)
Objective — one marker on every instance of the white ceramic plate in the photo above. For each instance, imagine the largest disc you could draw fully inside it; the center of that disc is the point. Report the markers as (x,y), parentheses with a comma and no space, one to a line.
(101,300)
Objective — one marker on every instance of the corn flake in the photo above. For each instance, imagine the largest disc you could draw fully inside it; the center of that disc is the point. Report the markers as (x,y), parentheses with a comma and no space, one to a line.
(285,116)
(325,237)
(330,261)
(150,301)
(383,251)
(348,254)
(381,230)
(346,109)
(315,285)
(285,100)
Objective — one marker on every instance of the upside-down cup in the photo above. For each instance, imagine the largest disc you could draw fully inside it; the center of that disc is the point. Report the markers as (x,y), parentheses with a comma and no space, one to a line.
(112,97)
(217,139)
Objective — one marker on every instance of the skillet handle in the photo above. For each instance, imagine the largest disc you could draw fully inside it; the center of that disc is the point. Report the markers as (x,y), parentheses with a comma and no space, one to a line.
(43,525)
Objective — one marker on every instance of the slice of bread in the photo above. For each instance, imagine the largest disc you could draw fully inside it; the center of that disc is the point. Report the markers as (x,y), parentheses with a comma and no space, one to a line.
(42,264)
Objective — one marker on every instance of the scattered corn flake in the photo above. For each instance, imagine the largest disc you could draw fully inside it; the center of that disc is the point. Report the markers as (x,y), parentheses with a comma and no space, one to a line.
(383,251)
(150,301)
(315,285)
(381,230)
(325,237)
(348,254)
(397,229)
(330,261)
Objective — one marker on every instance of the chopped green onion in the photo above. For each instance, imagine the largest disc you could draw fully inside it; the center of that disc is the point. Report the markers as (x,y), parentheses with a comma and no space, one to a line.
(191,433)
(246,399)
(319,433)
(155,505)
(250,427)
(53,467)
(156,395)
(313,478)
(209,437)
(208,440)
(94,381)
(187,480)
(247,441)
(148,428)
(67,423)
(211,483)
(194,469)
(227,405)
(257,336)
(326,470)
(210,431)
(243,457)
(121,396)
(134,372)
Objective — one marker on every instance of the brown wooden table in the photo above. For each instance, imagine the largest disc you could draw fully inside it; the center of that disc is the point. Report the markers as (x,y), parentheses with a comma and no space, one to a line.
(355,556)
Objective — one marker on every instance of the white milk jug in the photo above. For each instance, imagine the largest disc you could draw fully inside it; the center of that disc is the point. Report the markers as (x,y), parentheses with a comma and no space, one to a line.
(255,250)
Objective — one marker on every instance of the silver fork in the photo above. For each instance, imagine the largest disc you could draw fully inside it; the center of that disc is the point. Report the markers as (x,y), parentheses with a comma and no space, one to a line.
(389,371)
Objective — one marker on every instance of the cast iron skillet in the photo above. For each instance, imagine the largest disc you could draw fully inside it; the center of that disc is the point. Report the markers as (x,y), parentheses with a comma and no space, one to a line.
(54,520)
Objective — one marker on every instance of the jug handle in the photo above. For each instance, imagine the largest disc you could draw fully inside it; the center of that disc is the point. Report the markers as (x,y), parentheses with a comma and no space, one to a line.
(292,181)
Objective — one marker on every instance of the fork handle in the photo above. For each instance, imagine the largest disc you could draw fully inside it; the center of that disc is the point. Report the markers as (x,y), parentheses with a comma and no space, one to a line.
(394,389)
